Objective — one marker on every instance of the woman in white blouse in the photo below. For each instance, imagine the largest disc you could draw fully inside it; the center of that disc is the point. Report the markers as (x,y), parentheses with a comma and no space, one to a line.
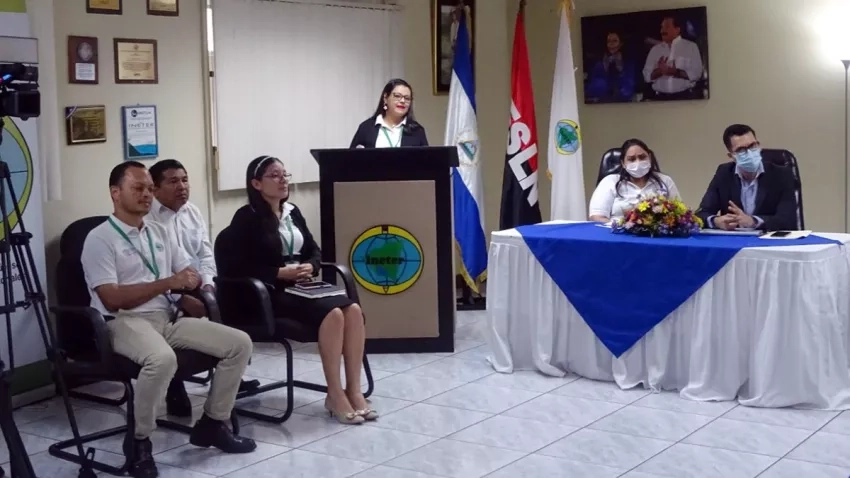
(639,176)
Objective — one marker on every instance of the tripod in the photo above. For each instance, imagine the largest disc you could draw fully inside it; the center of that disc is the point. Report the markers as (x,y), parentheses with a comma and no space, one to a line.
(16,246)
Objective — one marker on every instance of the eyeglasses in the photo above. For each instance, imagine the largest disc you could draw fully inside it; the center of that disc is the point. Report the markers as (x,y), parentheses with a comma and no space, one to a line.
(278,177)
(400,97)
(751,148)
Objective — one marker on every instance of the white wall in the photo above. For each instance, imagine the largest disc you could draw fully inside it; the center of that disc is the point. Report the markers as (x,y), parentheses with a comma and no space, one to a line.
(179,99)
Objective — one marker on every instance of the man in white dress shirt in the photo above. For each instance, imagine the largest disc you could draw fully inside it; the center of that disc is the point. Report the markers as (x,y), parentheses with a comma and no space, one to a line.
(172,209)
(673,66)
(131,266)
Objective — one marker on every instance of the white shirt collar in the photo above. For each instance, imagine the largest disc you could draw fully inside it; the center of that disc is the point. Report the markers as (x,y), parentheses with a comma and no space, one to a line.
(380,120)
(159,207)
(128,229)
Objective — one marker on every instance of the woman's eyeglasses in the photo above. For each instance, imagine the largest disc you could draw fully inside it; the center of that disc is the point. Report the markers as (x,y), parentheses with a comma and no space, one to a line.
(278,177)
(400,97)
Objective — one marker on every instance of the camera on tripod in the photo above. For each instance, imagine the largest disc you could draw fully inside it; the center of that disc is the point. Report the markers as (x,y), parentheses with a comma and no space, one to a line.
(19,96)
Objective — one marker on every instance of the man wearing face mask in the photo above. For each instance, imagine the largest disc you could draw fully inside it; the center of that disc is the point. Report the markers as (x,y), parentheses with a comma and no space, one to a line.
(748,193)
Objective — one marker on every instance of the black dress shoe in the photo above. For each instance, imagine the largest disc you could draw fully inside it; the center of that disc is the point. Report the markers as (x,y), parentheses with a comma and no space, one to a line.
(208,432)
(140,457)
(247,385)
(177,401)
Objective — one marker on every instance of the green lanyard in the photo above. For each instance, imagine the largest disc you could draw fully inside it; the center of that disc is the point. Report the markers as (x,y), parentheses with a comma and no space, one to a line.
(390,141)
(290,245)
(150,265)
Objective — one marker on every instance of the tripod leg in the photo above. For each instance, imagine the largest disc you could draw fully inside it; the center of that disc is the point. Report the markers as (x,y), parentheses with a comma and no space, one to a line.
(20,465)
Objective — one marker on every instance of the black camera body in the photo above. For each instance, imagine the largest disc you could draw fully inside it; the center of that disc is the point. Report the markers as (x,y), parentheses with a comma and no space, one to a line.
(19,96)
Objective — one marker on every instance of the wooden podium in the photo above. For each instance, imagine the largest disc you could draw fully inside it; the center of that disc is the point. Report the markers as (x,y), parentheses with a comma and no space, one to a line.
(387,214)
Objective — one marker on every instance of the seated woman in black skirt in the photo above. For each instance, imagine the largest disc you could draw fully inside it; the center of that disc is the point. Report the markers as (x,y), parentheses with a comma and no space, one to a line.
(278,249)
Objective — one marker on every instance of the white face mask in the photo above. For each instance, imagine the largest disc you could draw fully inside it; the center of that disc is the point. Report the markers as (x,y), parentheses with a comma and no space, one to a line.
(638,169)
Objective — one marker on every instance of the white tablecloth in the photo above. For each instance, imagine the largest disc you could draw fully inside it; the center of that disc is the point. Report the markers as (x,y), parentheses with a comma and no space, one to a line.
(770,329)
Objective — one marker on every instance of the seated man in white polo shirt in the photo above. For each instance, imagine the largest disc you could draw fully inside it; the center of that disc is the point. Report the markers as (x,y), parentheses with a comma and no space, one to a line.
(172,209)
(131,266)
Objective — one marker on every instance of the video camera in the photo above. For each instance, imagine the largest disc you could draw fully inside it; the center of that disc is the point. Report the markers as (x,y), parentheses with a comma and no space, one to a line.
(19,96)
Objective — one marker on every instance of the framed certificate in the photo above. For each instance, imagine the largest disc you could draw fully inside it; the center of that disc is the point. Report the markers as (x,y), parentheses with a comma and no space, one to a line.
(104,7)
(82,60)
(85,124)
(165,8)
(140,132)
(135,61)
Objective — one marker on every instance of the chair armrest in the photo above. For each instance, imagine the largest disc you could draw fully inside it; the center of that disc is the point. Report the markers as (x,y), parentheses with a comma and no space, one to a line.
(261,295)
(347,279)
(207,298)
(103,342)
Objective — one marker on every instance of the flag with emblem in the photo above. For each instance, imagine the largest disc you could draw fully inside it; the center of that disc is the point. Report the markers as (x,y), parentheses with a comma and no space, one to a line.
(520,205)
(565,151)
(467,185)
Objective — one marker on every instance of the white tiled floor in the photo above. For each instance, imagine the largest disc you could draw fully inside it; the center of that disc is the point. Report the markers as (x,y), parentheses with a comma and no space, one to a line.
(450,415)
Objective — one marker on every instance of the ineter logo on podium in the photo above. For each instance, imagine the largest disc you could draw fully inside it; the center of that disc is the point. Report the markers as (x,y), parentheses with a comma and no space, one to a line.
(386,260)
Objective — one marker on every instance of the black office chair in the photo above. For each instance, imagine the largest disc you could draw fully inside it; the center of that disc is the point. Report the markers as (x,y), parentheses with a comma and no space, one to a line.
(245,304)
(786,159)
(86,354)
(610,163)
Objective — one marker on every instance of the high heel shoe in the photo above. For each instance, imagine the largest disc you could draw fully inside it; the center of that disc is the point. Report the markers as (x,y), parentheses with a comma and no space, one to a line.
(368,414)
(350,418)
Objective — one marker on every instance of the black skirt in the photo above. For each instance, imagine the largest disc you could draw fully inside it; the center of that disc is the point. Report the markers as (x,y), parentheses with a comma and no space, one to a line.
(308,311)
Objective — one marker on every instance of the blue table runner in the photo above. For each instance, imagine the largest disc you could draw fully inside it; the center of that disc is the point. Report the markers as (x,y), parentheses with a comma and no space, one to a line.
(623,285)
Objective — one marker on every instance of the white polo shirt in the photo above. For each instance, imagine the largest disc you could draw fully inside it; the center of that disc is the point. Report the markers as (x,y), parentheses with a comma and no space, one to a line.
(109,259)
(389,136)
(190,230)
(606,202)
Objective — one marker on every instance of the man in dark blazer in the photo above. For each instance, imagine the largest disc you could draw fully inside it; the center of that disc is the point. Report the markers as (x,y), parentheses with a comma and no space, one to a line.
(748,193)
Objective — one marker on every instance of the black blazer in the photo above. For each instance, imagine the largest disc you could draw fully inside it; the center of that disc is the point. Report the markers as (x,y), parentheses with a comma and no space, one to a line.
(260,256)
(776,204)
(413,134)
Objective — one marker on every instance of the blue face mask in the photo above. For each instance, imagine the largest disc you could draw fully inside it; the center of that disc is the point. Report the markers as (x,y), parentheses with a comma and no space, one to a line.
(749,160)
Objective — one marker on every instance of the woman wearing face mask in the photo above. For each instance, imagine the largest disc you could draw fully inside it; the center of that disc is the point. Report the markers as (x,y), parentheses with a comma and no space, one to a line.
(639,176)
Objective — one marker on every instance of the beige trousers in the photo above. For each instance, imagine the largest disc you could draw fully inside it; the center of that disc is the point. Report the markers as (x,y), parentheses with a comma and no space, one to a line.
(149,339)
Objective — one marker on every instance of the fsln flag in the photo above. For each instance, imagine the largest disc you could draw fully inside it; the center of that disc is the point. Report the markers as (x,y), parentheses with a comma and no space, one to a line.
(565,155)
(467,185)
(520,205)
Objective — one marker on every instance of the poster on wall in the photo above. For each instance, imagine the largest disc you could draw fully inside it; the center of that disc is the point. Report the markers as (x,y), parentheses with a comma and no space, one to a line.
(140,135)
(19,149)
(658,55)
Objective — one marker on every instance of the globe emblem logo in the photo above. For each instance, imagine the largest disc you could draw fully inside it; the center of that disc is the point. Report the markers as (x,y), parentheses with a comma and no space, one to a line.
(386,260)
(567,137)
(15,151)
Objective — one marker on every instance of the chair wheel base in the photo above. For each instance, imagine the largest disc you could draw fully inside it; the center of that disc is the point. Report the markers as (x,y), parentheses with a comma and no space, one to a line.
(86,473)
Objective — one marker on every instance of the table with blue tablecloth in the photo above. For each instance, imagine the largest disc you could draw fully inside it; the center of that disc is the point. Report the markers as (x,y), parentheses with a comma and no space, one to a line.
(764,322)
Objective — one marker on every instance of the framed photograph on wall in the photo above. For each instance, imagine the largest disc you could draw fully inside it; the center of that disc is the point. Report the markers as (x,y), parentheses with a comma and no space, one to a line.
(141,140)
(445,15)
(85,124)
(82,60)
(659,55)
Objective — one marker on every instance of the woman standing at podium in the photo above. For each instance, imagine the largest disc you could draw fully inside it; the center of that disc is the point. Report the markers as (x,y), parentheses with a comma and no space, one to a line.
(392,125)
(277,248)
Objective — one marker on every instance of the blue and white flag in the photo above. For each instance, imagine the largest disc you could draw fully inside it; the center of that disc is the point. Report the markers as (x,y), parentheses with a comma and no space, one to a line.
(467,184)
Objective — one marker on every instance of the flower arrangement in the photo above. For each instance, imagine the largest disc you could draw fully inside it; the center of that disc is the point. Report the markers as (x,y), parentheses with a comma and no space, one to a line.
(659,216)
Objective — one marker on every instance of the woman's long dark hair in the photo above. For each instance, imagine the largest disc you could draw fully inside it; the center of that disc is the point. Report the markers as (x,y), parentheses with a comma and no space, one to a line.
(269,220)
(654,170)
(411,124)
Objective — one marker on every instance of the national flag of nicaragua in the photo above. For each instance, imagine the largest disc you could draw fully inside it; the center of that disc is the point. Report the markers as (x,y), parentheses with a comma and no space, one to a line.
(467,185)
